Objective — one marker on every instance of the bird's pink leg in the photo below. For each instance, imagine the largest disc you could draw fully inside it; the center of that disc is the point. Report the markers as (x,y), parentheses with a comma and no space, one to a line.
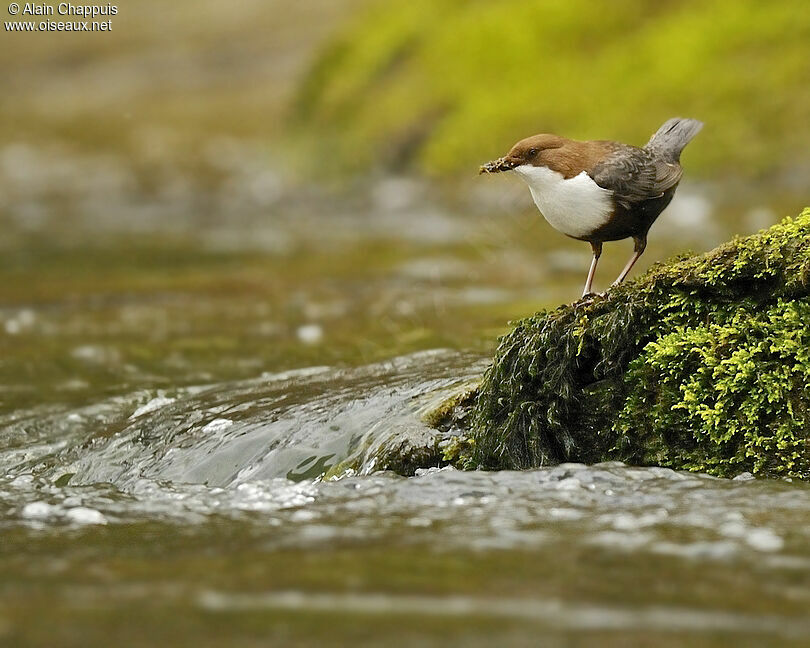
(640,244)
(597,250)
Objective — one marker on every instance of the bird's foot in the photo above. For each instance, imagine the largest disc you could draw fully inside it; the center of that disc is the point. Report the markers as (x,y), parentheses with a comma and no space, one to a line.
(588,297)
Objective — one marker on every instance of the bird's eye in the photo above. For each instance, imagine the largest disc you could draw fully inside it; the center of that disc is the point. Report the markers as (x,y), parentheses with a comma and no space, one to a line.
(532,152)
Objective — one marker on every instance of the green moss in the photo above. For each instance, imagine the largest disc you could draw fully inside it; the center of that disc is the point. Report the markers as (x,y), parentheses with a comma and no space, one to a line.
(407,451)
(701,364)
(726,396)
(452,408)
(410,81)
(457,451)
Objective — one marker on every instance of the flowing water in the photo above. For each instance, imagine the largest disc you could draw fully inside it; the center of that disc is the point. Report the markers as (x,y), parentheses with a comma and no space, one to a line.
(199,518)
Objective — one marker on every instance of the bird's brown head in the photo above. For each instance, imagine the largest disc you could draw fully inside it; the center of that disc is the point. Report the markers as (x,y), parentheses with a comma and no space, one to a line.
(532,150)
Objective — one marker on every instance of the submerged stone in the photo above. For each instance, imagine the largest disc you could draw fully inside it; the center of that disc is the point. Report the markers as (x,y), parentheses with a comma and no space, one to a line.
(702,364)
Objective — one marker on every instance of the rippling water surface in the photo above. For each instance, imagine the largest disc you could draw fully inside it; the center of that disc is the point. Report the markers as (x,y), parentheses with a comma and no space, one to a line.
(172,518)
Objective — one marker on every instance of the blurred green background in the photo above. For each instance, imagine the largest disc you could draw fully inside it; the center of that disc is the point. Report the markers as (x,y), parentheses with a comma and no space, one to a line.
(212,190)
(436,86)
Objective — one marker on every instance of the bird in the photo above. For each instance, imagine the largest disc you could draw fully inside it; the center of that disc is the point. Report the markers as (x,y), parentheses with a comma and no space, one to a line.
(601,190)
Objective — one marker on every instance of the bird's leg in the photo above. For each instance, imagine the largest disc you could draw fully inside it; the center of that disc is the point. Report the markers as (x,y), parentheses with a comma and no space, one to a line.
(640,242)
(596,246)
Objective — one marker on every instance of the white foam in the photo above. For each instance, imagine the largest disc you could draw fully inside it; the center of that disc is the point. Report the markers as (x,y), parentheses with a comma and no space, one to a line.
(764,540)
(39,511)
(152,405)
(217,425)
(84,515)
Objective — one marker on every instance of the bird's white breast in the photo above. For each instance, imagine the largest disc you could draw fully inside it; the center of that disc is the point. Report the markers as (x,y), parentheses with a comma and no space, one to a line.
(575,206)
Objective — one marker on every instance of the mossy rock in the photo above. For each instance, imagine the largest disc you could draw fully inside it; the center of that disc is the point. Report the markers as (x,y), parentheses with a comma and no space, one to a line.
(453,410)
(701,364)
(409,451)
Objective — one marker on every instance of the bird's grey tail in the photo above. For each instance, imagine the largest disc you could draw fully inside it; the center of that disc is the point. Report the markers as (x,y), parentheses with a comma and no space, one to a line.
(672,137)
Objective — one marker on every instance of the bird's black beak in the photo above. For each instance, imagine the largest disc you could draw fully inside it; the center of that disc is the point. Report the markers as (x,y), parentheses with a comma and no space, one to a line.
(496,166)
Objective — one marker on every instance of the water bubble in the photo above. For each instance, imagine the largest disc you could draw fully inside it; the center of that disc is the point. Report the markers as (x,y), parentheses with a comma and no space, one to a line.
(39,510)
(310,333)
(84,515)
(764,540)
(22,321)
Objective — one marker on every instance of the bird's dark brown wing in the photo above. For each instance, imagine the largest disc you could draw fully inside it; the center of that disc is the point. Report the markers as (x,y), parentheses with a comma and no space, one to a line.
(667,175)
(634,175)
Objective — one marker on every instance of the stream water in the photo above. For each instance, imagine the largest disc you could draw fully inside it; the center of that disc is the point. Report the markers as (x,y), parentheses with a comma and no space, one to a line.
(200,516)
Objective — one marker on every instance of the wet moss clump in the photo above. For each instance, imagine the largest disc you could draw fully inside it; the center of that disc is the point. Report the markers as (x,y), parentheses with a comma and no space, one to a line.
(701,364)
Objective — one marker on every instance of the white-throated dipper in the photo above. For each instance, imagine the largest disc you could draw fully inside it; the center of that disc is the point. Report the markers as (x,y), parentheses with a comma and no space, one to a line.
(599,190)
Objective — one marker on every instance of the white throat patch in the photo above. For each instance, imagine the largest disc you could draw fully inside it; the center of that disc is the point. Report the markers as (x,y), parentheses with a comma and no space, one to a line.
(576,206)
